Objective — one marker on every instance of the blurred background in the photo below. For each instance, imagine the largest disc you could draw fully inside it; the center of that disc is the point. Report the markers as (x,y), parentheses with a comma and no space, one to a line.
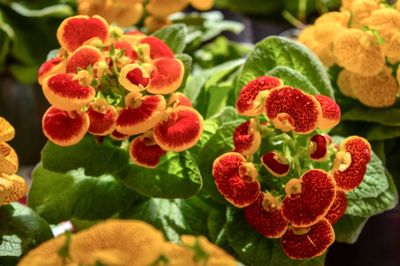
(227,31)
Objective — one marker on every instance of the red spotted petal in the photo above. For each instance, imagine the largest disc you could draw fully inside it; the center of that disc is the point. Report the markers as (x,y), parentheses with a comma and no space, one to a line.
(102,118)
(118,136)
(275,163)
(134,77)
(319,147)
(50,67)
(83,57)
(145,152)
(8,159)
(166,76)
(75,31)
(309,198)
(291,109)
(180,129)
(236,179)
(338,207)
(249,102)
(65,92)
(179,99)
(308,243)
(141,115)
(64,128)
(265,216)
(158,48)
(127,48)
(330,112)
(351,162)
(247,138)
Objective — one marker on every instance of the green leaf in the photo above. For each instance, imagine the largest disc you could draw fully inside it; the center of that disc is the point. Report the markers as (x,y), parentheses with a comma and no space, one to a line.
(293,78)
(173,217)
(24,74)
(187,63)
(370,131)
(173,35)
(255,249)
(348,228)
(176,176)
(96,159)
(198,80)
(220,143)
(385,116)
(60,10)
(375,181)
(279,51)
(58,197)
(20,230)
(369,206)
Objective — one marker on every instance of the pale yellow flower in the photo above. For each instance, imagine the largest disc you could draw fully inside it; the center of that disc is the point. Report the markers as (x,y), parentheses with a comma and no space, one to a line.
(358,52)
(343,82)
(377,91)
(7,131)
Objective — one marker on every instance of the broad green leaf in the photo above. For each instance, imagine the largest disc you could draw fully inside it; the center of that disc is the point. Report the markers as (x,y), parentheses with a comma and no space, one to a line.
(217,225)
(187,63)
(173,35)
(370,131)
(255,249)
(366,207)
(375,181)
(60,10)
(96,159)
(176,176)
(198,80)
(218,98)
(348,228)
(173,216)
(385,116)
(211,125)
(58,197)
(24,74)
(293,78)
(220,143)
(279,51)
(20,230)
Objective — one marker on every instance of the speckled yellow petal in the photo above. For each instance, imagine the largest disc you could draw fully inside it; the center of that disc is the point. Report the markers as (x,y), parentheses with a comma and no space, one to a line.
(343,83)
(8,159)
(154,23)
(130,15)
(12,188)
(141,243)
(46,254)
(7,131)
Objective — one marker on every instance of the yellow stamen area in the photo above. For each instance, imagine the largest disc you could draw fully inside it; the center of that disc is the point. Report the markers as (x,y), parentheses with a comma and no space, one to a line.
(293,187)
(342,161)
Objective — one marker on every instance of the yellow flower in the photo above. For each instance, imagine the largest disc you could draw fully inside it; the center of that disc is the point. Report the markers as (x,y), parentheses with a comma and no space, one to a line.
(122,12)
(358,52)
(154,23)
(164,8)
(380,90)
(7,131)
(187,253)
(140,243)
(329,25)
(125,243)
(202,4)
(385,20)
(362,9)
(343,82)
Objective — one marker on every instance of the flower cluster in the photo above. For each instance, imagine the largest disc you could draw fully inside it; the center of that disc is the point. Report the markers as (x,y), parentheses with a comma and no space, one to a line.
(12,186)
(140,244)
(364,39)
(129,12)
(110,83)
(304,175)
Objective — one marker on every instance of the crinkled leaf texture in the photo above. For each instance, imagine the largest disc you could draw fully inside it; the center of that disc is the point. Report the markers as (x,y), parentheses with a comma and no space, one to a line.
(216,141)
(253,248)
(61,196)
(173,35)
(279,51)
(20,230)
(173,216)
(96,159)
(376,194)
(176,176)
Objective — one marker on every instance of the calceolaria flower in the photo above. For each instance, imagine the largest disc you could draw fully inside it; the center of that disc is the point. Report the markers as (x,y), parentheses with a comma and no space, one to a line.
(12,186)
(286,174)
(125,243)
(364,40)
(125,13)
(108,83)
